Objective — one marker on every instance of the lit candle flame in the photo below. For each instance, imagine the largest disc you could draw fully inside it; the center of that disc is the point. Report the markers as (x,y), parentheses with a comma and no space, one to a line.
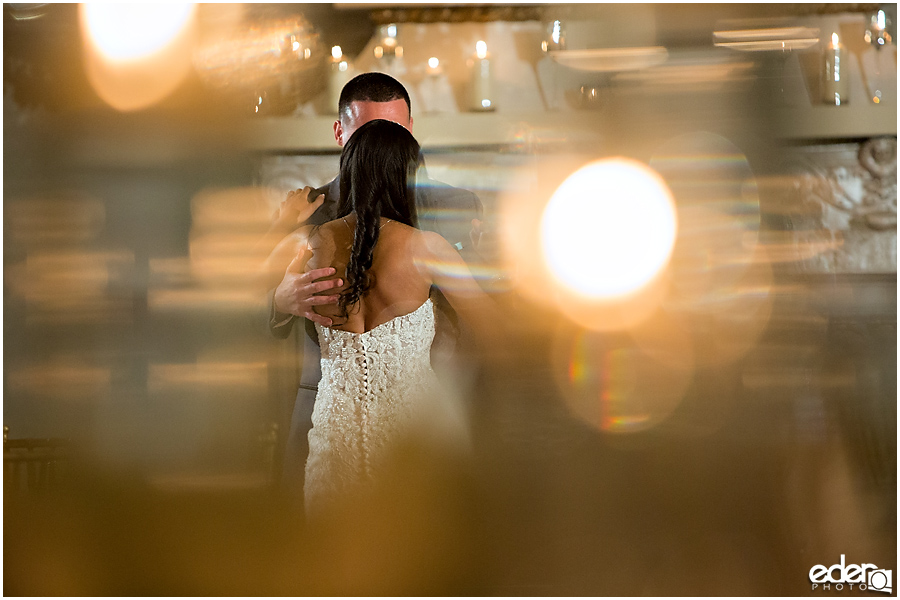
(834,40)
(557,27)
(481,49)
(881,19)
(433,62)
(336,52)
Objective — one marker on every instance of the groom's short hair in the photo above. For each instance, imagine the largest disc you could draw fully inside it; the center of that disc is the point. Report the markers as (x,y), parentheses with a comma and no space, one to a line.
(372,87)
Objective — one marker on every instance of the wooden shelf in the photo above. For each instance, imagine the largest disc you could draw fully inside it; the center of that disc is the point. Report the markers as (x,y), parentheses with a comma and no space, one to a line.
(315,135)
(855,120)
(154,141)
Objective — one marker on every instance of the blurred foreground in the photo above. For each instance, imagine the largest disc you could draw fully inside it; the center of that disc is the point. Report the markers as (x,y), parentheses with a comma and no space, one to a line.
(696,393)
(772,464)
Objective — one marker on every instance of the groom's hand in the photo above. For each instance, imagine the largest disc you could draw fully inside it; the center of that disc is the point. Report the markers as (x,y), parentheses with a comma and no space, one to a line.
(296,294)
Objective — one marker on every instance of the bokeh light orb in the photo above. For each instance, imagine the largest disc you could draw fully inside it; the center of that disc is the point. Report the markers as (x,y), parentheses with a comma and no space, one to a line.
(609,228)
(721,274)
(133,31)
(136,54)
(610,383)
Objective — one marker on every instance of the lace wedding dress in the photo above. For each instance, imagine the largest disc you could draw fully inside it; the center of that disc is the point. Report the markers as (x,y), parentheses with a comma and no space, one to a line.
(375,390)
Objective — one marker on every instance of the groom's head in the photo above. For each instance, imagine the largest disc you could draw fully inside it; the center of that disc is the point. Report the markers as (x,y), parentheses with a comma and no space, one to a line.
(371,96)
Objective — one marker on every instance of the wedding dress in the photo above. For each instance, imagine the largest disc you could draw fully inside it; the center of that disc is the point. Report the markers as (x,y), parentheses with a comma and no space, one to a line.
(375,391)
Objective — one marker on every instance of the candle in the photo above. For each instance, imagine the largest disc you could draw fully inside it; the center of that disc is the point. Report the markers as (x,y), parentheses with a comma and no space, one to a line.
(388,46)
(339,75)
(435,91)
(556,38)
(482,98)
(434,66)
(835,83)
(876,32)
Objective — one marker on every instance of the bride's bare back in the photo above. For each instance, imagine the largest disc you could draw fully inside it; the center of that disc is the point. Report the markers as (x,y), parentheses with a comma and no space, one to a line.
(402,280)
(405,264)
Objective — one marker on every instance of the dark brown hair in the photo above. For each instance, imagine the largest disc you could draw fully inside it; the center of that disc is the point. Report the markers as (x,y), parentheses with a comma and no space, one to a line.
(378,177)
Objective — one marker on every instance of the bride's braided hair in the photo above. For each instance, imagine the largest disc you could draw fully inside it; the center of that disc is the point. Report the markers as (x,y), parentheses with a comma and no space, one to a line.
(378,176)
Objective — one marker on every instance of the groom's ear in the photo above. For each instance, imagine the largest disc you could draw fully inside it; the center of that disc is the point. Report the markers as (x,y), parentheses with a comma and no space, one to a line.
(339,133)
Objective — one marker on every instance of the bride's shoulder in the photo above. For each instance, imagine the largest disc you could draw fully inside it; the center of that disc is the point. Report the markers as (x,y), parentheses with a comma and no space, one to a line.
(327,227)
(293,241)
(433,243)
(306,236)
(431,248)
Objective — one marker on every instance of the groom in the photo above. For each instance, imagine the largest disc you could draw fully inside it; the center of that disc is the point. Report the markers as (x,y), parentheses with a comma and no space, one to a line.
(449,211)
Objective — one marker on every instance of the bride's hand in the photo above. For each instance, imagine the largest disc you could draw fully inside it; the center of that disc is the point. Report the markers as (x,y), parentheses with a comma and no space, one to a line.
(296,209)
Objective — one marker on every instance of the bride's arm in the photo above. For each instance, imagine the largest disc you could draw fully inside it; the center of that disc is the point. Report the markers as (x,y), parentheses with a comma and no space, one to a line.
(294,211)
(289,251)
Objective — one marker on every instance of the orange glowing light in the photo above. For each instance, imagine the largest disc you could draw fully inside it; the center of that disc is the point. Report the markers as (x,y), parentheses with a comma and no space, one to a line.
(123,32)
(523,207)
(136,54)
(609,229)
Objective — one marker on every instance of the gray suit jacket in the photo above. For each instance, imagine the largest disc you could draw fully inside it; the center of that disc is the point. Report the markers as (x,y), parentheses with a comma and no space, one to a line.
(441,208)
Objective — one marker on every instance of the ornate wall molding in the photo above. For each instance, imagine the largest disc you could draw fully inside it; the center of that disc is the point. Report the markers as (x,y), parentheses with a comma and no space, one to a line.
(864,190)
(457,14)
(849,192)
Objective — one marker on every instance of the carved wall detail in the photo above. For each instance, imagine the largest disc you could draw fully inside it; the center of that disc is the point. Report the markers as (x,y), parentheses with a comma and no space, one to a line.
(863,189)
(848,193)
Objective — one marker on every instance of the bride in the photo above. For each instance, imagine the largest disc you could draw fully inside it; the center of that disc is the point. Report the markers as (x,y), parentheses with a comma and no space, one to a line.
(378,389)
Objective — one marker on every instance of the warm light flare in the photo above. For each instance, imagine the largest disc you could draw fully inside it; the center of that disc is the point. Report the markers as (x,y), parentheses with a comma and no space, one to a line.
(135,55)
(123,32)
(613,385)
(336,52)
(65,378)
(433,62)
(835,40)
(609,229)
(481,49)
(167,377)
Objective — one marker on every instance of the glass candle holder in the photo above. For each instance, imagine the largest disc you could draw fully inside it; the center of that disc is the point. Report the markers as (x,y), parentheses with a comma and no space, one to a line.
(835,74)
(482,90)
